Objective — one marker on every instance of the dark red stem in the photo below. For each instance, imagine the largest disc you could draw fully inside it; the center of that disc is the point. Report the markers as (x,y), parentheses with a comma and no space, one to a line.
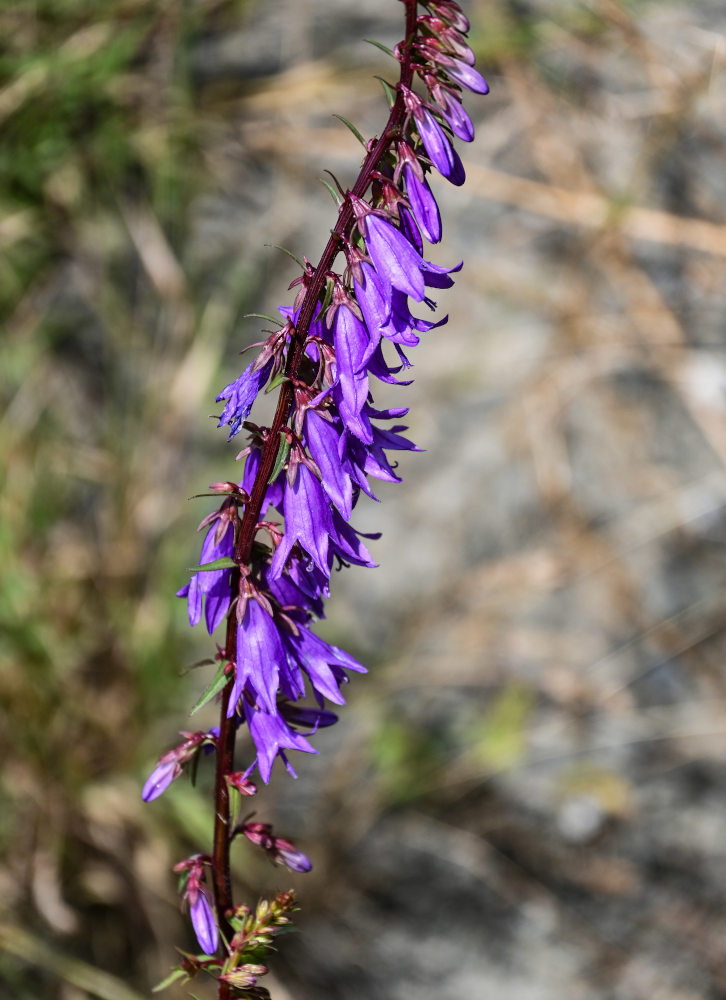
(228,727)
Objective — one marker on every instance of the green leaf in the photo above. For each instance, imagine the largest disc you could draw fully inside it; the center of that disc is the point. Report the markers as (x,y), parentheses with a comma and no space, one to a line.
(224,563)
(171,978)
(381,46)
(390,94)
(353,129)
(282,453)
(272,319)
(194,666)
(288,252)
(220,679)
(197,496)
(333,193)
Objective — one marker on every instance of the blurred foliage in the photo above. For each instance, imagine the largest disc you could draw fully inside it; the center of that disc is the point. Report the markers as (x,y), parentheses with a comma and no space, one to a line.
(113,340)
(108,345)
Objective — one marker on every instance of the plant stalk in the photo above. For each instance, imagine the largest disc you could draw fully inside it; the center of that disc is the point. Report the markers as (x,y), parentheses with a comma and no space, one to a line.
(228,727)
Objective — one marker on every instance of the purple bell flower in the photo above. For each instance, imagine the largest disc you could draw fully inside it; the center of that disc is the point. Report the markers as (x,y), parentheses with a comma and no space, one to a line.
(315,656)
(423,205)
(459,121)
(203,922)
(259,657)
(439,149)
(323,439)
(160,779)
(272,736)
(215,584)
(307,513)
(351,344)
(397,263)
(464,74)
(374,302)
(240,396)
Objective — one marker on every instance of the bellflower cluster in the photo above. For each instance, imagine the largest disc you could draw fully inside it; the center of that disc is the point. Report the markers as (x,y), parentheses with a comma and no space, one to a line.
(271,545)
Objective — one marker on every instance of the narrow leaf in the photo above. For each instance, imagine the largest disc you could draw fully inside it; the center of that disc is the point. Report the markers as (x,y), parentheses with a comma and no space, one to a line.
(288,252)
(224,563)
(333,193)
(381,46)
(171,978)
(197,496)
(390,95)
(282,453)
(272,319)
(214,688)
(353,129)
(194,666)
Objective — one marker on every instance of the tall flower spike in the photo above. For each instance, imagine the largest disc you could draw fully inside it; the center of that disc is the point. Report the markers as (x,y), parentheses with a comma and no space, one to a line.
(271,546)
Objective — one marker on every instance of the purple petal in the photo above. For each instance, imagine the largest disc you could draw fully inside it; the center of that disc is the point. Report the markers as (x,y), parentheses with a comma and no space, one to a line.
(439,149)
(395,260)
(351,414)
(346,543)
(292,858)
(423,205)
(311,718)
(322,438)
(217,602)
(204,924)
(459,121)
(307,521)
(272,736)
(311,651)
(160,779)
(373,301)
(259,657)
(240,396)
(466,75)
(351,343)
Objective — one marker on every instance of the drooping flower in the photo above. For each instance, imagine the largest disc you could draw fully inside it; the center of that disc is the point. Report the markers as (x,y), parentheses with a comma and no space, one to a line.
(260,656)
(278,850)
(240,396)
(171,764)
(203,922)
(195,896)
(272,736)
(423,205)
(307,521)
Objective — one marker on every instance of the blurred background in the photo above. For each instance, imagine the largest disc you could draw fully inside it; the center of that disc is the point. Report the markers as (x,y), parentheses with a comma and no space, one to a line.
(527,795)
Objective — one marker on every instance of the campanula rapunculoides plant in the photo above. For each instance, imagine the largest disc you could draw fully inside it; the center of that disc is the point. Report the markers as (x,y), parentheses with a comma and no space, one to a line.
(268,578)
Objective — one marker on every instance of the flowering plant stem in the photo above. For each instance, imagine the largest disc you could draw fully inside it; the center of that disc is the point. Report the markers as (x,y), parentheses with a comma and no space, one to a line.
(228,726)
(312,465)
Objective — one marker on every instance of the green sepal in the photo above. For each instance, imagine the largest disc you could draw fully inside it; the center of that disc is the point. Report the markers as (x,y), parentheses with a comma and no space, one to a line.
(327,297)
(224,563)
(277,380)
(171,978)
(333,193)
(193,769)
(220,679)
(353,129)
(390,95)
(381,46)
(282,453)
